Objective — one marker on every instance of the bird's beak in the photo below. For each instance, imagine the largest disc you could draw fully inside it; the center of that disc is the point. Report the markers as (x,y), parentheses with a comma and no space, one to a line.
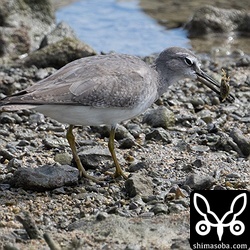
(212,84)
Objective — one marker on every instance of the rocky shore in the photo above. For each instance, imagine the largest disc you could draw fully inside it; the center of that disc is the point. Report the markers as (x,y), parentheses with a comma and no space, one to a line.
(188,140)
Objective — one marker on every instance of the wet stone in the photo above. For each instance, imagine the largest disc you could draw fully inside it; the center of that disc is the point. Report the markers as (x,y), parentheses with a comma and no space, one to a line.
(45,177)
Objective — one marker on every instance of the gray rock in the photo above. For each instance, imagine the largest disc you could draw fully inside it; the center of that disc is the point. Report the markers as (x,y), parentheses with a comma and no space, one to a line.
(198,163)
(24,23)
(102,216)
(63,158)
(58,54)
(55,142)
(6,118)
(199,182)
(122,133)
(241,140)
(45,177)
(37,118)
(127,143)
(4,187)
(137,166)
(206,115)
(61,31)
(93,157)
(6,154)
(200,148)
(132,247)
(159,209)
(13,164)
(159,134)
(209,19)
(180,243)
(175,208)
(23,143)
(160,117)
(139,184)
(243,61)
(233,176)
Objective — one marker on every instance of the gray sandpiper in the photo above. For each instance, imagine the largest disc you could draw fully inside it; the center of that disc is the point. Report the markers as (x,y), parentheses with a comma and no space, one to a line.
(107,89)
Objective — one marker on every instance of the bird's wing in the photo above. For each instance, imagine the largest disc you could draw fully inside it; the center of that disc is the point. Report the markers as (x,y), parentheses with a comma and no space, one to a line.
(99,81)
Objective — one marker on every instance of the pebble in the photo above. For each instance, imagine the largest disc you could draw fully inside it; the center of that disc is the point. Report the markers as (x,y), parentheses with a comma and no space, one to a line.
(233,176)
(138,184)
(63,158)
(199,182)
(159,134)
(127,143)
(55,142)
(198,163)
(175,207)
(13,164)
(5,118)
(200,148)
(94,157)
(159,209)
(137,166)
(102,216)
(241,140)
(160,117)
(6,154)
(206,115)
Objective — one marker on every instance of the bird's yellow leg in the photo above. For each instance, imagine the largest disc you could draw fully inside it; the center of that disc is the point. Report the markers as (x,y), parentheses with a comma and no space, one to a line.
(71,139)
(118,170)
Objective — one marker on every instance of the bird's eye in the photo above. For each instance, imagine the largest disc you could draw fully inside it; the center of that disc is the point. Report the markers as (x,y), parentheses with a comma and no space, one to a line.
(188,61)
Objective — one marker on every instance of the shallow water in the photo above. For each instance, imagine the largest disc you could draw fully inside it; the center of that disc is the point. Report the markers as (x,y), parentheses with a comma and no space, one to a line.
(145,27)
(119,26)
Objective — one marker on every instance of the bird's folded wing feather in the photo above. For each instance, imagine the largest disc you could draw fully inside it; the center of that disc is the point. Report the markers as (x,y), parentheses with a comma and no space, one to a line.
(100,81)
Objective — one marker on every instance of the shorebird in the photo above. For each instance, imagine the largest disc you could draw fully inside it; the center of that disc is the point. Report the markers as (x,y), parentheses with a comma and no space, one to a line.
(107,89)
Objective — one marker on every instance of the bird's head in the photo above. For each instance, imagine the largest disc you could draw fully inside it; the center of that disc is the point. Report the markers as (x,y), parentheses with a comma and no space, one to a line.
(176,63)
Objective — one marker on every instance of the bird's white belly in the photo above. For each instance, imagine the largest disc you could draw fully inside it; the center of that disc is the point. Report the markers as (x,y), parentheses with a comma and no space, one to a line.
(89,116)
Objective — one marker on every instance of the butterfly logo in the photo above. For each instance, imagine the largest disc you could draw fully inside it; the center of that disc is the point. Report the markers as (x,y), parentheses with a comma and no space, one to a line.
(203,227)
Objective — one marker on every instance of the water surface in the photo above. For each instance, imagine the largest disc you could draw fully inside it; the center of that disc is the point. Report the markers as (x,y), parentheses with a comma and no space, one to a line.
(119,26)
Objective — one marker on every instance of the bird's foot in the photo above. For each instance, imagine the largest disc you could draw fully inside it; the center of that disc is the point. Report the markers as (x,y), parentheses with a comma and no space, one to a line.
(89,177)
(119,174)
